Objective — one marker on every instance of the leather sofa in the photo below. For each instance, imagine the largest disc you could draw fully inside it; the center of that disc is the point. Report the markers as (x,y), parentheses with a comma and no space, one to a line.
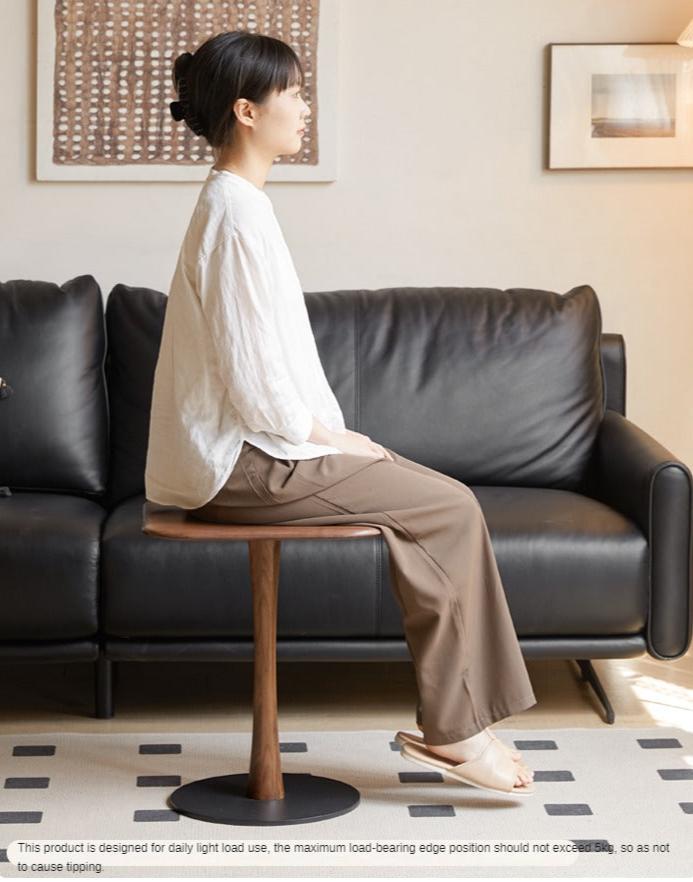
(518,393)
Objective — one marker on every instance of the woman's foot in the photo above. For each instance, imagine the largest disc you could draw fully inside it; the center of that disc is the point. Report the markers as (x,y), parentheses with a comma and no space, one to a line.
(469,748)
(515,754)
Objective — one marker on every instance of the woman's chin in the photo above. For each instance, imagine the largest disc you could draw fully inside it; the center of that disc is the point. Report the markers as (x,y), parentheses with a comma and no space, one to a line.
(291,151)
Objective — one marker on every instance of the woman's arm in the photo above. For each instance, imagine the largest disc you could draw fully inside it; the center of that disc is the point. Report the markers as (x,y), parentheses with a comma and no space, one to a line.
(236,300)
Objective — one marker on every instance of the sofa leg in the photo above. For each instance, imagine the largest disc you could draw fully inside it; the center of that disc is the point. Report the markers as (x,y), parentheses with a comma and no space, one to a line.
(103,697)
(589,675)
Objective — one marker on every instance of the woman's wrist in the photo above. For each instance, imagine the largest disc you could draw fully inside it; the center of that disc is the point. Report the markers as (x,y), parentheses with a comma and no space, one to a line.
(321,434)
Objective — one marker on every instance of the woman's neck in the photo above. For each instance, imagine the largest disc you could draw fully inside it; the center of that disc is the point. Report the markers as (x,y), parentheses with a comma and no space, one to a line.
(250,166)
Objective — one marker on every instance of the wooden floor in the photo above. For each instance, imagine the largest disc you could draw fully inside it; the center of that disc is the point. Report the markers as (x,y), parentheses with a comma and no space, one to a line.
(217,697)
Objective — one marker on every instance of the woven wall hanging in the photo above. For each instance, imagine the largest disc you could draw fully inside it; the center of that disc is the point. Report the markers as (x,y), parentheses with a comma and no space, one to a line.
(104,85)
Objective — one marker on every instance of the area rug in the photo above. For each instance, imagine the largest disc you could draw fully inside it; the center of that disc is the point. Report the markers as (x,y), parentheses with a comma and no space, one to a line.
(611,802)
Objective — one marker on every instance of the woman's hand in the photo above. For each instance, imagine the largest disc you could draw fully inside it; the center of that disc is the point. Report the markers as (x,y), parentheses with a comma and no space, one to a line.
(359,445)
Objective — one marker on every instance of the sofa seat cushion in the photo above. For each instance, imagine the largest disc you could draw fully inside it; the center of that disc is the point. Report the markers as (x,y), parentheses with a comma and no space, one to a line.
(570,565)
(49,559)
(167,588)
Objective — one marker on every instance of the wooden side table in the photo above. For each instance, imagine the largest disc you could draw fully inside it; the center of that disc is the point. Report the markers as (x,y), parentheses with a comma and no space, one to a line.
(263,795)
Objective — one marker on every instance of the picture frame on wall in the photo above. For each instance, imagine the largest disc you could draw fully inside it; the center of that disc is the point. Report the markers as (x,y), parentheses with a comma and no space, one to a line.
(621,105)
(104,84)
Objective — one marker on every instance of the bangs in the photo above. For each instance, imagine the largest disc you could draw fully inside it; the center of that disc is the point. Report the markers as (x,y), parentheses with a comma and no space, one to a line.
(285,70)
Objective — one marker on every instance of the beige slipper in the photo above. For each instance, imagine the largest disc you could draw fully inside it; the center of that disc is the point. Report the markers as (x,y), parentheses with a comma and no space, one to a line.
(491,770)
(407,738)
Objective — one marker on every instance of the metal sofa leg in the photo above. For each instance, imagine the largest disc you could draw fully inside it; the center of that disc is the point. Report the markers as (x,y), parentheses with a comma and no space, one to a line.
(104,677)
(589,675)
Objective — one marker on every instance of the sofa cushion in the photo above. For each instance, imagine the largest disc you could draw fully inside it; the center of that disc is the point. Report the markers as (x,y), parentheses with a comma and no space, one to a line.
(486,385)
(134,324)
(49,559)
(570,565)
(490,386)
(175,589)
(54,425)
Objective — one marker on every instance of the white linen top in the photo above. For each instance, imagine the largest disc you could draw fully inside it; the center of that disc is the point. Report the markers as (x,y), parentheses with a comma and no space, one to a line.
(238,360)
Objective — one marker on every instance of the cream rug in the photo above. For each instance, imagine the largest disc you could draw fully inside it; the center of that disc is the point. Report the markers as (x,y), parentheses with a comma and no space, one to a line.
(608,802)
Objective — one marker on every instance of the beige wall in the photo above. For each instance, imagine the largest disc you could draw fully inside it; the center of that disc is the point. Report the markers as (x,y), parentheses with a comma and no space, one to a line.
(442,141)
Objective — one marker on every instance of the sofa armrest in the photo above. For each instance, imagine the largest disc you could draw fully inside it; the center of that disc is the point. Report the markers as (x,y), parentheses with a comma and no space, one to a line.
(634,474)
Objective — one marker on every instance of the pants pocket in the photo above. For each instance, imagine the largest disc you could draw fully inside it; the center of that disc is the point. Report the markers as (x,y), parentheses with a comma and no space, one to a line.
(278,480)
(257,484)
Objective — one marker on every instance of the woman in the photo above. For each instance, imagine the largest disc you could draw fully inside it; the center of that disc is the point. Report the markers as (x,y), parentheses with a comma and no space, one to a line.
(245,427)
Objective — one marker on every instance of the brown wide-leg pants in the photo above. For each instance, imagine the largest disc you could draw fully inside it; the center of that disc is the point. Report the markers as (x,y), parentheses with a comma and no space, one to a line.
(469,666)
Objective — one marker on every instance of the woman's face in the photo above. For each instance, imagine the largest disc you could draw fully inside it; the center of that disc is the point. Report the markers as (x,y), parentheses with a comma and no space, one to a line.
(279,121)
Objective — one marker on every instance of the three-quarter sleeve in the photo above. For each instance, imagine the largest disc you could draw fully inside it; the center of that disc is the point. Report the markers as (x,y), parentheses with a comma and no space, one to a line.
(236,299)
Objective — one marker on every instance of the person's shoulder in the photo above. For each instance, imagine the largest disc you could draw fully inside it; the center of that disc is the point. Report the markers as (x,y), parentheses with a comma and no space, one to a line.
(229,209)
(218,216)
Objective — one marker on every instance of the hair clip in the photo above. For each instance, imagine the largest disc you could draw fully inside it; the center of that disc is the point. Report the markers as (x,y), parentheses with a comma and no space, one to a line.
(177,110)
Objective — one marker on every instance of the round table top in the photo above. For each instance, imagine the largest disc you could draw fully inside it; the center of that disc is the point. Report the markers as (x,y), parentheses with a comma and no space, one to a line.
(171,522)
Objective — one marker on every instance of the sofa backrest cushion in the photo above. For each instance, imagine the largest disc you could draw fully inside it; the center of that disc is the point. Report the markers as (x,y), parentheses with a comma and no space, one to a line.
(134,324)
(490,386)
(54,424)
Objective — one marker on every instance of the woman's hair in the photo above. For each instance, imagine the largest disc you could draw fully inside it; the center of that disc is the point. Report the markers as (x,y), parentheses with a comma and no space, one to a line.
(229,66)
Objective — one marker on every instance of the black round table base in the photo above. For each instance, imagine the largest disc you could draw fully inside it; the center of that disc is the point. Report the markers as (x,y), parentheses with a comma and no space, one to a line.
(223,800)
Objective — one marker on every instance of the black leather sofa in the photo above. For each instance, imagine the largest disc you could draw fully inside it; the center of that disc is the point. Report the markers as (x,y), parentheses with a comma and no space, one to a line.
(516,392)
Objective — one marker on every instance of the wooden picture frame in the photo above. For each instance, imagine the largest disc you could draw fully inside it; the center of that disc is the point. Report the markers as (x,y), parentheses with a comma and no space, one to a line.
(621,105)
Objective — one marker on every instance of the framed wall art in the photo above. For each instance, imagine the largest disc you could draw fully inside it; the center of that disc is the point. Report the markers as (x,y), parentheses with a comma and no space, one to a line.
(621,105)
(104,85)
